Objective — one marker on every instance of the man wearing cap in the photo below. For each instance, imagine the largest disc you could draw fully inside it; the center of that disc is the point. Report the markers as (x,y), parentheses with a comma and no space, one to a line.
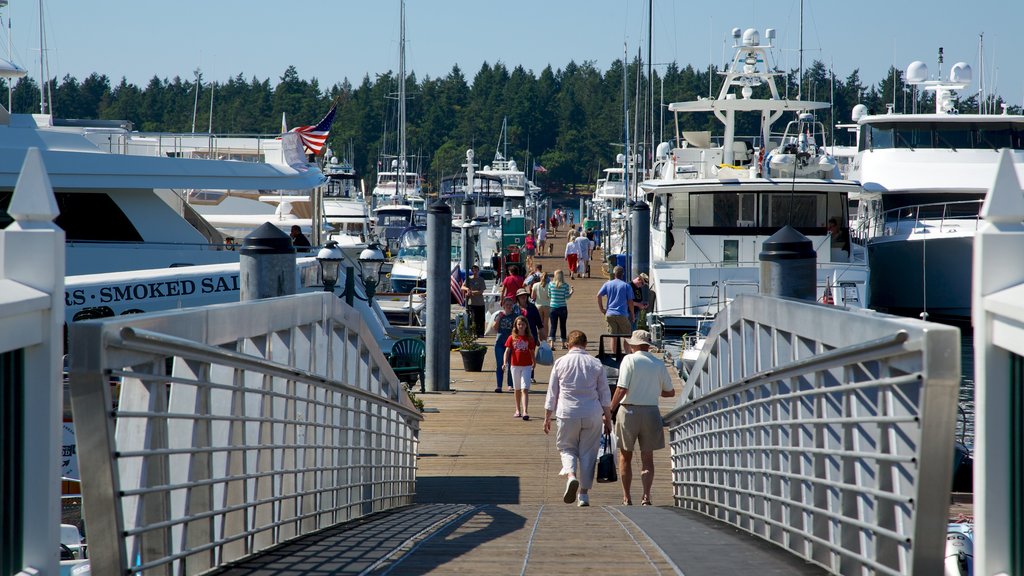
(618,311)
(643,378)
(639,285)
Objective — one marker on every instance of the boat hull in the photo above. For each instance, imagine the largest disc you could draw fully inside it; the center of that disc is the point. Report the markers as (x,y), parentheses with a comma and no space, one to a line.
(902,269)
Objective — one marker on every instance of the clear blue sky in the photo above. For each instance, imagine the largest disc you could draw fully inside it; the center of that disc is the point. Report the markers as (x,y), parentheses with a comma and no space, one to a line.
(331,41)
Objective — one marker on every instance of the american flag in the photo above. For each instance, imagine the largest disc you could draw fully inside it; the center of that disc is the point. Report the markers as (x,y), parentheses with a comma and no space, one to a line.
(314,137)
(456,286)
(537,168)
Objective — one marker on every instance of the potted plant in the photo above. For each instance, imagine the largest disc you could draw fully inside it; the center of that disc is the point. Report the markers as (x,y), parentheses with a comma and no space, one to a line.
(473,352)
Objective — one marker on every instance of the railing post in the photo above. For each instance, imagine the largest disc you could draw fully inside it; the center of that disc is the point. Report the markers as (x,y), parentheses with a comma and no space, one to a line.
(32,260)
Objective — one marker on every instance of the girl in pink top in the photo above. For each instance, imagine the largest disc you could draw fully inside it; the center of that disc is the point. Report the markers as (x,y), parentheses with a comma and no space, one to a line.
(519,360)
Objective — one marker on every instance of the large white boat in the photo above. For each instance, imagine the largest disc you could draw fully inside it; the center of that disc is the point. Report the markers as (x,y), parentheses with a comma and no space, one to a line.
(346,215)
(925,177)
(713,206)
(129,212)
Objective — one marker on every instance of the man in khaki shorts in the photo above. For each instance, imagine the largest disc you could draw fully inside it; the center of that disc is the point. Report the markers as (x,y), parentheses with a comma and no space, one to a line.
(643,378)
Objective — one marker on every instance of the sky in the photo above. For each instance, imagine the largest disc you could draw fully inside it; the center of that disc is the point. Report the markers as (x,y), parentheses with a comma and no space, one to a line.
(335,40)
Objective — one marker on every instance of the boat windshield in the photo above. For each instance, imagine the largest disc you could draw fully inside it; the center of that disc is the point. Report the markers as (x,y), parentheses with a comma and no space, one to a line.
(392,219)
(948,135)
(751,213)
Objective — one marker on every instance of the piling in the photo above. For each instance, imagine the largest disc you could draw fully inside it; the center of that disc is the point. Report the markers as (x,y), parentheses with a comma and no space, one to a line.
(641,239)
(439,337)
(788,263)
(266,264)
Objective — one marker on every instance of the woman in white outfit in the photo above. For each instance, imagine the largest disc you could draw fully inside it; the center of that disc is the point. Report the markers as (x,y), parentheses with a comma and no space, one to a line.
(578,396)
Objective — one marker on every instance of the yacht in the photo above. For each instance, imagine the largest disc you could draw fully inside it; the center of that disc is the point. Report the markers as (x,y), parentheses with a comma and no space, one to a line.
(925,176)
(713,205)
(346,215)
(610,197)
(130,212)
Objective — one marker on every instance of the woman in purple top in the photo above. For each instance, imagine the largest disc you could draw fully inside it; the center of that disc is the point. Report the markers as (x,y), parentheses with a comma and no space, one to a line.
(578,396)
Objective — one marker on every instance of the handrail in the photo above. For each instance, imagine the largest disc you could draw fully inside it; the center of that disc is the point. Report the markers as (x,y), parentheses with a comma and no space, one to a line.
(827,431)
(238,427)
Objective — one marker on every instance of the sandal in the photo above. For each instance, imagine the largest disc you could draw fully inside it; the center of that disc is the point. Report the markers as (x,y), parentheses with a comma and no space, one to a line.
(627,502)
(646,501)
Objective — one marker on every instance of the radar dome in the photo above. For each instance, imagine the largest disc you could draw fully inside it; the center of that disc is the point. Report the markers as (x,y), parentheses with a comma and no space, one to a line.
(859,111)
(736,33)
(751,37)
(469,154)
(663,150)
(960,73)
(620,158)
(917,72)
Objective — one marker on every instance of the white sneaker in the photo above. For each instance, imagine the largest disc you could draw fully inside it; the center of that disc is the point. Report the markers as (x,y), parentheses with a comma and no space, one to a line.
(583,501)
(571,486)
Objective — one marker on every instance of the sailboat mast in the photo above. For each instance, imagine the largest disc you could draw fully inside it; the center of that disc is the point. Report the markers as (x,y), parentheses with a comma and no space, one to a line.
(42,62)
(800,79)
(401,104)
(648,153)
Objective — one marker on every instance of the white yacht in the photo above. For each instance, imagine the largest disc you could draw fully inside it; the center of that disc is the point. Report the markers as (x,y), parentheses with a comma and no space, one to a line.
(713,206)
(346,215)
(925,177)
(610,197)
(129,212)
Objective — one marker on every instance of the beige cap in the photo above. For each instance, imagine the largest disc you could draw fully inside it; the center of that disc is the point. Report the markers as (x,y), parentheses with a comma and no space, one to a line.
(639,337)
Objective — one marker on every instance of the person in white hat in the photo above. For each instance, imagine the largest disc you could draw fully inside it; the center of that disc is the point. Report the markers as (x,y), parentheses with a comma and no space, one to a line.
(643,378)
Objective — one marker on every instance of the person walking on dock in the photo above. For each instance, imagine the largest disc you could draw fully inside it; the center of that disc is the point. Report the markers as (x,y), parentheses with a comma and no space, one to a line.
(584,247)
(578,397)
(528,309)
(504,322)
(520,362)
(512,283)
(529,248)
(619,308)
(571,256)
(643,378)
(539,293)
(542,238)
(558,294)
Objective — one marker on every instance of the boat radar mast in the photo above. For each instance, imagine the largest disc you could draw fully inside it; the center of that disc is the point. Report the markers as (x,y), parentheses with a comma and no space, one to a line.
(959,78)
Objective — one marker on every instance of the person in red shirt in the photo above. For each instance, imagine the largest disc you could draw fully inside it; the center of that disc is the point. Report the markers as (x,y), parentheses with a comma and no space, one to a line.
(519,360)
(512,283)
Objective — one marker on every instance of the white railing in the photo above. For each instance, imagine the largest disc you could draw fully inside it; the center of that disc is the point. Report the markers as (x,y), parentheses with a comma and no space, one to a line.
(31,340)
(826,431)
(941,217)
(998,319)
(237,427)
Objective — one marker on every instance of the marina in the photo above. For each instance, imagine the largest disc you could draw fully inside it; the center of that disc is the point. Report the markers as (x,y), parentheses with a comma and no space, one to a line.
(251,362)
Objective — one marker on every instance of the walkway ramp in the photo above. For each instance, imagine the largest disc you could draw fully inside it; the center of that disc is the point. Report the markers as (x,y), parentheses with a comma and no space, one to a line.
(489,499)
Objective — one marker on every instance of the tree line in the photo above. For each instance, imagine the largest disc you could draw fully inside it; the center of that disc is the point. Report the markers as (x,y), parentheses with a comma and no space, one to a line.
(571,120)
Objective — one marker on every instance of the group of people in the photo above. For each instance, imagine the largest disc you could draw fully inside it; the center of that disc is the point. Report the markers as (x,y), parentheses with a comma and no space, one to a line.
(578,253)
(581,401)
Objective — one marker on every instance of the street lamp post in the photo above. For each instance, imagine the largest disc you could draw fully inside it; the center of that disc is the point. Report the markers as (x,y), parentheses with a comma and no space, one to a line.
(371,259)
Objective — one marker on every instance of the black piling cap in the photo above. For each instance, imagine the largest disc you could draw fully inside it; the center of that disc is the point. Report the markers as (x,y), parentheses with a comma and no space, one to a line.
(439,208)
(267,239)
(641,206)
(787,244)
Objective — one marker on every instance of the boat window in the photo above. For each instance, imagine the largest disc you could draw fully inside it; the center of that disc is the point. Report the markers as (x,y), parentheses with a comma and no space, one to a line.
(714,210)
(797,210)
(730,252)
(658,213)
(96,217)
(949,135)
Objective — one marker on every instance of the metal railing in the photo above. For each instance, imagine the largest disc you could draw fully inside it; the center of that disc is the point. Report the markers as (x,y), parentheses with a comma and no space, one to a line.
(826,431)
(238,427)
(939,216)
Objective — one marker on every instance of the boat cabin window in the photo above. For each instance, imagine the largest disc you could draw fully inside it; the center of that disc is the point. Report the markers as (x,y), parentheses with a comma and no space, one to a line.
(754,213)
(85,216)
(390,220)
(948,135)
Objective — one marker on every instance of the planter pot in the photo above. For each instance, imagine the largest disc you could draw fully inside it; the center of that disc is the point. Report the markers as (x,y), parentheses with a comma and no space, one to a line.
(473,360)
